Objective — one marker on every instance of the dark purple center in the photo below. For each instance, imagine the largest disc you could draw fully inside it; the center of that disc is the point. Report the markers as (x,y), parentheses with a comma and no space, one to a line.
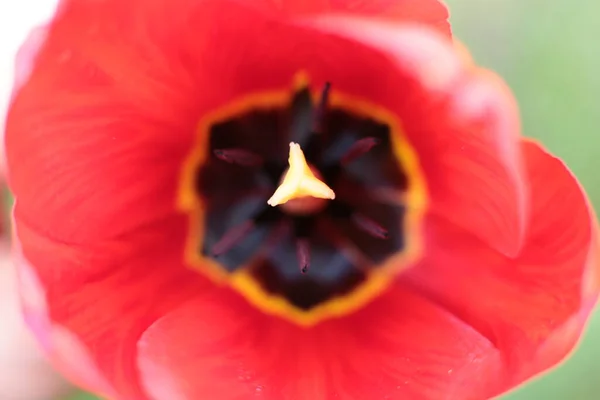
(313,258)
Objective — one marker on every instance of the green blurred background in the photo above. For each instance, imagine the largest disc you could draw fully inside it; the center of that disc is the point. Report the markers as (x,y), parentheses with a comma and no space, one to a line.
(549,53)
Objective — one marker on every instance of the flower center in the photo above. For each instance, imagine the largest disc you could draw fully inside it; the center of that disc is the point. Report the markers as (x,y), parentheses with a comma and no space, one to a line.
(302,205)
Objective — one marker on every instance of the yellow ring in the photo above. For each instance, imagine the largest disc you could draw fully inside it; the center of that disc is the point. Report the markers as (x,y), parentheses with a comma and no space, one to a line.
(415,200)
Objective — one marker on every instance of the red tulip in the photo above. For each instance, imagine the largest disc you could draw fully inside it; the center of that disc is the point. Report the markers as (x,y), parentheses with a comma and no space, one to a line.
(455,261)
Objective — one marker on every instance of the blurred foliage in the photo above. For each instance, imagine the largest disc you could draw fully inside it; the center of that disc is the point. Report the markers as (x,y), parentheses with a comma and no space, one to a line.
(548,52)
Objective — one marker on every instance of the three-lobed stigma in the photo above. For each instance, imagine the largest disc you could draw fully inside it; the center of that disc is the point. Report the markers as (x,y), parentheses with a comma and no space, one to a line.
(299,181)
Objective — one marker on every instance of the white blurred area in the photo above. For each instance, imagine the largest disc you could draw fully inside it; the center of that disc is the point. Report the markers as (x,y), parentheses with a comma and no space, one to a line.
(24,373)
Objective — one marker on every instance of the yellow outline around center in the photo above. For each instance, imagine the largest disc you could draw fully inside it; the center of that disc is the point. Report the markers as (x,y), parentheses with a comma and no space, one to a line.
(415,200)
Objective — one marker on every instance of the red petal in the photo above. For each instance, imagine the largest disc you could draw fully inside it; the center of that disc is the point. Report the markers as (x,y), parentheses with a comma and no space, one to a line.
(399,347)
(101,297)
(66,352)
(463,124)
(532,307)
(429,12)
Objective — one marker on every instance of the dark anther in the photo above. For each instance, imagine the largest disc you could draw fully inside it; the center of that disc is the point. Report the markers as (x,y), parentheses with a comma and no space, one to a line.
(369,226)
(359,148)
(303,254)
(238,156)
(343,210)
(321,108)
(232,237)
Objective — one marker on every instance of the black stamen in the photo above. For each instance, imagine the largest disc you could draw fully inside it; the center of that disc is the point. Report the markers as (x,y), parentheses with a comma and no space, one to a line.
(303,254)
(232,237)
(369,226)
(302,229)
(321,108)
(241,157)
(359,148)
